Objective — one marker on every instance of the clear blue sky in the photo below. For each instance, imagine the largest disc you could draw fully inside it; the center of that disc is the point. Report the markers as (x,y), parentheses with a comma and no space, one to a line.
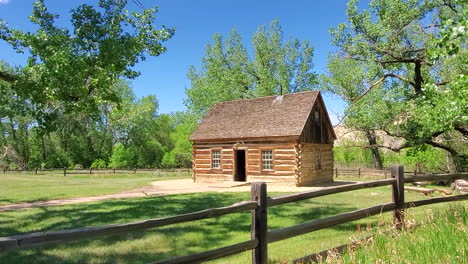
(196,22)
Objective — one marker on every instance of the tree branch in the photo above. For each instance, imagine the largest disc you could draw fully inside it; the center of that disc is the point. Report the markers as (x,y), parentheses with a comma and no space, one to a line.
(380,81)
(7,77)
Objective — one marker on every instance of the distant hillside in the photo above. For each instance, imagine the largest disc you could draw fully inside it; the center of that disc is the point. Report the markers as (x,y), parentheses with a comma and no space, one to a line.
(346,136)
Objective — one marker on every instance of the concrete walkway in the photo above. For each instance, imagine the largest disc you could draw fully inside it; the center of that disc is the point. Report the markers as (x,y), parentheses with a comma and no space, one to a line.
(159,188)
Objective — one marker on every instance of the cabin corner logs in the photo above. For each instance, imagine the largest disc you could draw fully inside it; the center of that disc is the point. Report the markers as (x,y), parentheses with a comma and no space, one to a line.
(295,148)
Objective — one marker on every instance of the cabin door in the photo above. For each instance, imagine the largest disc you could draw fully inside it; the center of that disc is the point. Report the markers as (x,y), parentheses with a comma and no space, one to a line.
(239,174)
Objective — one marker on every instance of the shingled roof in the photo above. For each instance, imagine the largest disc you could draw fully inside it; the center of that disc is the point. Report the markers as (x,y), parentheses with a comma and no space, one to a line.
(271,116)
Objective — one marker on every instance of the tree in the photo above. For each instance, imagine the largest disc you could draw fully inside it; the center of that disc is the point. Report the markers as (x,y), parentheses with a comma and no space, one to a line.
(119,158)
(397,39)
(181,154)
(58,109)
(228,71)
(74,70)
(347,78)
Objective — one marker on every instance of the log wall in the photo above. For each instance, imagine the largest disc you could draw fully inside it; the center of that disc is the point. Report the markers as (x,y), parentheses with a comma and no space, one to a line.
(284,162)
(308,173)
(293,162)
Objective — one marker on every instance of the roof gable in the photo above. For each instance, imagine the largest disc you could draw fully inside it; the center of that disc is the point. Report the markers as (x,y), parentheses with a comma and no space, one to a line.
(271,116)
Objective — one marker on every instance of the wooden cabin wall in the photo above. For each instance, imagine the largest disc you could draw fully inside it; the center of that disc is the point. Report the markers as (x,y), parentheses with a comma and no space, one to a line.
(308,173)
(317,129)
(201,166)
(284,162)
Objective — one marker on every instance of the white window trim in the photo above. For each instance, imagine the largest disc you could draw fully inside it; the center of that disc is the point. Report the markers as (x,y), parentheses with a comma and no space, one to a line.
(213,159)
(270,159)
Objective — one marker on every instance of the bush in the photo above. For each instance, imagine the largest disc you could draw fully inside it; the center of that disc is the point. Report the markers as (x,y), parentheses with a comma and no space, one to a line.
(98,164)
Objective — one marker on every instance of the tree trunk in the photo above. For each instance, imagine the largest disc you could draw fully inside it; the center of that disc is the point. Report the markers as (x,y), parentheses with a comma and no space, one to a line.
(372,138)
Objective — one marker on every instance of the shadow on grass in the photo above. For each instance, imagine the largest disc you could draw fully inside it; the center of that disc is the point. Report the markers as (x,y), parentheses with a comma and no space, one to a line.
(175,240)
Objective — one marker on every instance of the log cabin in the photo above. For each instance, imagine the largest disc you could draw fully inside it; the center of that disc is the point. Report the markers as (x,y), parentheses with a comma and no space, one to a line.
(286,138)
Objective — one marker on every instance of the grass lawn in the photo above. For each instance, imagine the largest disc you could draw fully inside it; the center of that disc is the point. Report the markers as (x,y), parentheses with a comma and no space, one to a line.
(17,188)
(440,237)
(175,240)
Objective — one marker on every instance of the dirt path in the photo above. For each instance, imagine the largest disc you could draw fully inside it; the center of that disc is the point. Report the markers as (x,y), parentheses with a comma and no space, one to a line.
(158,188)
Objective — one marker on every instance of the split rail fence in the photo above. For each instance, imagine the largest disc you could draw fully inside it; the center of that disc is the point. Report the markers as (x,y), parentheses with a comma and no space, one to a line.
(259,204)
(65,171)
(366,172)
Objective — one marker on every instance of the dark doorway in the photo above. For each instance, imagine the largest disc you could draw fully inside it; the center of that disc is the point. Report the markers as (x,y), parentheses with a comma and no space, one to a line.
(240,166)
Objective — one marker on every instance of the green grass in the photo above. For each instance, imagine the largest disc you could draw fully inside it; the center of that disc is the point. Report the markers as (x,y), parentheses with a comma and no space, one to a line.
(176,240)
(17,188)
(439,237)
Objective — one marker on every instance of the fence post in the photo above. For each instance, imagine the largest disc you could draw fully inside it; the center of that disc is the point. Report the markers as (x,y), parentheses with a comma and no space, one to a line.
(113,170)
(336,172)
(64,171)
(90,170)
(359,172)
(398,196)
(259,226)
(385,173)
(36,170)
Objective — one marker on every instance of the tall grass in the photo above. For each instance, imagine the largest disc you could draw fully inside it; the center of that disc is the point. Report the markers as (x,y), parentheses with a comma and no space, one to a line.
(438,237)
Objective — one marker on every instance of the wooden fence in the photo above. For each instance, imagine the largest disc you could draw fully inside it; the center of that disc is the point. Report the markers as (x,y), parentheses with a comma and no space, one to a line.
(365,172)
(65,171)
(259,204)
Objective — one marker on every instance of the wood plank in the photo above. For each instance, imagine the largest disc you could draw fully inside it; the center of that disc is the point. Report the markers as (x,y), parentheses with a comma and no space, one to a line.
(284,157)
(202,156)
(425,191)
(277,200)
(437,177)
(200,166)
(285,151)
(43,238)
(202,161)
(284,162)
(285,233)
(259,226)
(202,151)
(436,200)
(212,254)
(285,167)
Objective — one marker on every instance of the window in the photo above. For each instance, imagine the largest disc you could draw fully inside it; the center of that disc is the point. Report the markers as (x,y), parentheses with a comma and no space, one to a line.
(267,159)
(318,162)
(216,159)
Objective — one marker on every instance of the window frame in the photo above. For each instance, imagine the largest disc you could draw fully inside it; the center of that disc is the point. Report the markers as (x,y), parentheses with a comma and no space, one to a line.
(212,159)
(271,160)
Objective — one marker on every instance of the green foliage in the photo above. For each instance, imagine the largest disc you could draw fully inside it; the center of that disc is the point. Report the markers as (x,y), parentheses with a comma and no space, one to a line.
(439,237)
(99,164)
(181,154)
(401,66)
(104,44)
(228,71)
(72,100)
(347,156)
(120,156)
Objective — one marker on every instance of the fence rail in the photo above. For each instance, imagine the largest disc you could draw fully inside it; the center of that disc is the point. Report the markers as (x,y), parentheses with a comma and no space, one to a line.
(66,171)
(260,236)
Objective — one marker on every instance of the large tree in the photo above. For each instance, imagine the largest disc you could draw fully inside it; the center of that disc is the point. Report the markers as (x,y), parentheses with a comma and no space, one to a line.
(74,70)
(347,79)
(63,106)
(270,66)
(398,40)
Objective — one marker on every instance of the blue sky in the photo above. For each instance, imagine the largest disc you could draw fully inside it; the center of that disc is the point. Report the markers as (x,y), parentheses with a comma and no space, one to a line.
(195,23)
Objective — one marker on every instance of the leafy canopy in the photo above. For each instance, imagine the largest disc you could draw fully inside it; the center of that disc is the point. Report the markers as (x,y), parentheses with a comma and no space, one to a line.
(74,70)
(229,71)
